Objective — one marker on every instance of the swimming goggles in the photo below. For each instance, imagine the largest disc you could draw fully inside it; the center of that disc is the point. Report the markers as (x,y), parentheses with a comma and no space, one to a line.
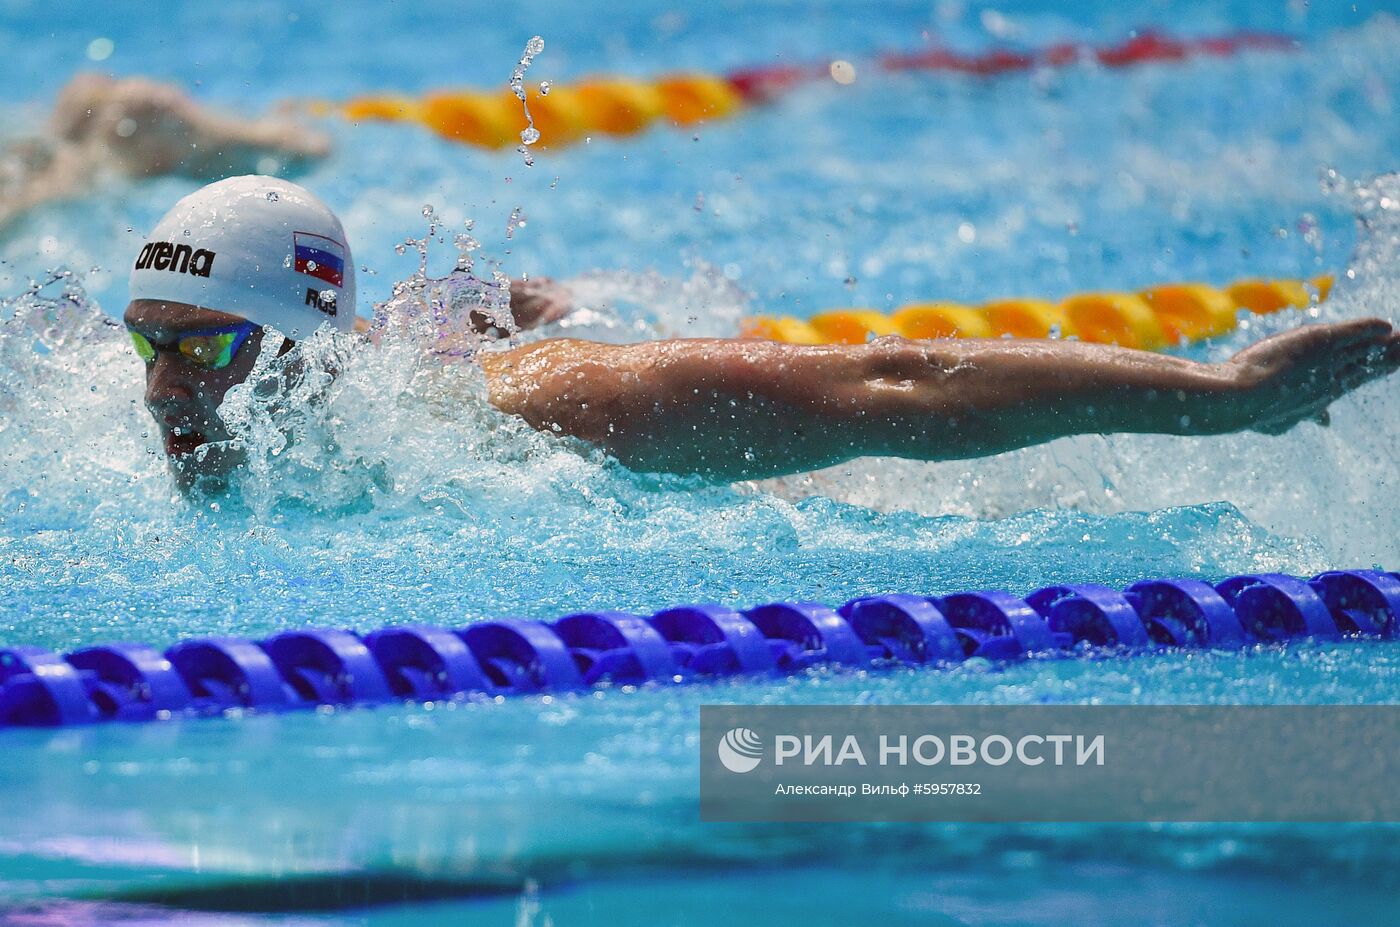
(212,348)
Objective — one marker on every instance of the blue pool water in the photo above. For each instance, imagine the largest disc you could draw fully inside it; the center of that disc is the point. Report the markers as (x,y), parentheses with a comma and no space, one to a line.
(431,507)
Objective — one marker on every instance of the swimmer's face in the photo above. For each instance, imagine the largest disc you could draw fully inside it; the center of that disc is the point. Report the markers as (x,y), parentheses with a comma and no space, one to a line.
(184,397)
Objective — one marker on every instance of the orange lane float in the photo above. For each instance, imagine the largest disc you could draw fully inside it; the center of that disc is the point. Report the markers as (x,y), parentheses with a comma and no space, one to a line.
(1156,318)
(563,116)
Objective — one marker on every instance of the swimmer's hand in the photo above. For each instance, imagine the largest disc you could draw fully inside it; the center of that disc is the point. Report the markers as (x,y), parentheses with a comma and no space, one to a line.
(1294,376)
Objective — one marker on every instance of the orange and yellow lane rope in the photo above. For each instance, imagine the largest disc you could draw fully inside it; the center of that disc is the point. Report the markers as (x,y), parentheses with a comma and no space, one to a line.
(1155,318)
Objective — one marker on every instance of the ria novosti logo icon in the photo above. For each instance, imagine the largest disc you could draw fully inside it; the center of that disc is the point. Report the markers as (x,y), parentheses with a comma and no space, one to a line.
(740,750)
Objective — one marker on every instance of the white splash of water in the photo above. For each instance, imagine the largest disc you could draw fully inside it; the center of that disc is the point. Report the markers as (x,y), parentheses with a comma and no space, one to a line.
(339,421)
(619,306)
(74,434)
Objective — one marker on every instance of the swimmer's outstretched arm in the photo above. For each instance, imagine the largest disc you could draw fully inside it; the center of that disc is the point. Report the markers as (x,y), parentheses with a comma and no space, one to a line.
(749,409)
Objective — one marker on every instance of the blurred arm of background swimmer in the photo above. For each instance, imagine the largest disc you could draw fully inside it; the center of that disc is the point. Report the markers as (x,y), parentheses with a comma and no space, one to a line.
(534,302)
(749,409)
(139,128)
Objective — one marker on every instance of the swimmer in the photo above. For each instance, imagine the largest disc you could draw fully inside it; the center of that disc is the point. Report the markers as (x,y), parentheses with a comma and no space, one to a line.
(136,128)
(251,252)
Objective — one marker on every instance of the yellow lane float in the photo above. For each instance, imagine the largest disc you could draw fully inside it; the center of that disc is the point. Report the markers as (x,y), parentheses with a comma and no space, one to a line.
(564,116)
(1158,317)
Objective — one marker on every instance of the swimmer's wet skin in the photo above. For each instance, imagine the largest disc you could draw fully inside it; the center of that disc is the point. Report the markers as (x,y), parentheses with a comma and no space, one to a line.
(724,409)
(182,396)
(749,409)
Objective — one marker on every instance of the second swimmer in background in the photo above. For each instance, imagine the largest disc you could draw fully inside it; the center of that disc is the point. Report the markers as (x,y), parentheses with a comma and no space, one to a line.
(136,128)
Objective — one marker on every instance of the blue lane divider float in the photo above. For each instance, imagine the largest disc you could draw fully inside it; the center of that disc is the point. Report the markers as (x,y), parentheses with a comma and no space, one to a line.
(312,667)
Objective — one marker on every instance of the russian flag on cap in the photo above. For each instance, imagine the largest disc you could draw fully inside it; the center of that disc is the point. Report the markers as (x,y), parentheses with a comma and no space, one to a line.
(320,257)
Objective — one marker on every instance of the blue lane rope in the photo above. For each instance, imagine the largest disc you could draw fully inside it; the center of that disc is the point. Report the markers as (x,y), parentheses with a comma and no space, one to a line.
(307,668)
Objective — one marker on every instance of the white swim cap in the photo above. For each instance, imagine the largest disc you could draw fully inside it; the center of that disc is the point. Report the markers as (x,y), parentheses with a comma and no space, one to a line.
(257,247)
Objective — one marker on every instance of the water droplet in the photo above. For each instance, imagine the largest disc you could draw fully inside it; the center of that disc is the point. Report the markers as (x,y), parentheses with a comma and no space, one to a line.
(516,221)
(545,87)
(100,49)
(843,72)
(530,134)
(272,196)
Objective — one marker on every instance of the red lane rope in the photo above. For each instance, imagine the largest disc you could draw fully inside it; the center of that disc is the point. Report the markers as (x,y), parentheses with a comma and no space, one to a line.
(761,84)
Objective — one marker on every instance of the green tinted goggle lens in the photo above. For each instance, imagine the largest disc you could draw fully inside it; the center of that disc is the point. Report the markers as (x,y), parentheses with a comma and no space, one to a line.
(144,348)
(212,350)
